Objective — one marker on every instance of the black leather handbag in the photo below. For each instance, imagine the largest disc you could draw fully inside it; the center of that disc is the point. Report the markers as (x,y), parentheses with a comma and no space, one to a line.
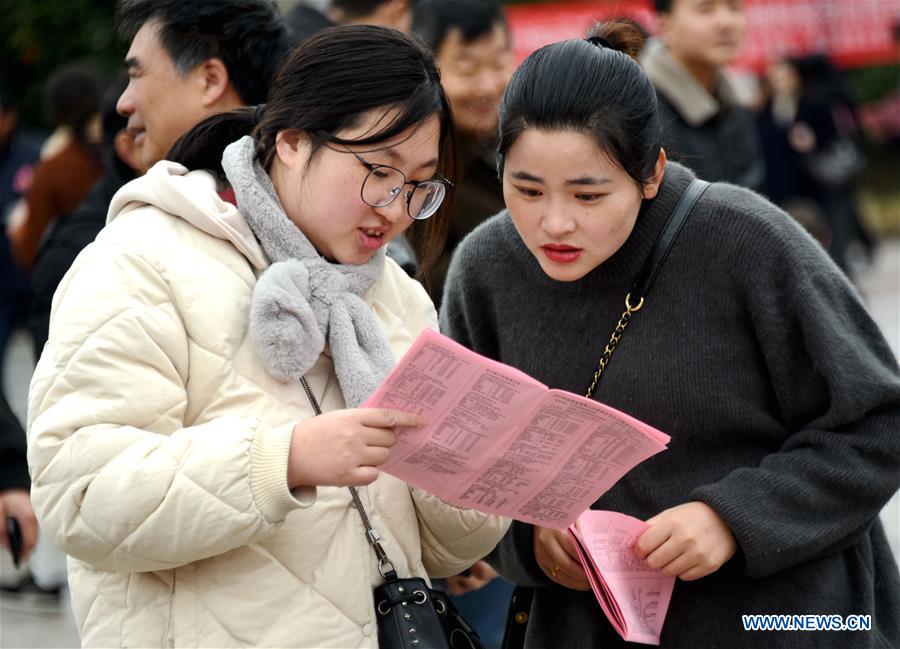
(413,616)
(410,615)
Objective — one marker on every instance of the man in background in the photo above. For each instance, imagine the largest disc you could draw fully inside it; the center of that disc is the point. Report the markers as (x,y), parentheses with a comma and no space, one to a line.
(387,13)
(705,126)
(303,21)
(472,49)
(191,60)
(187,61)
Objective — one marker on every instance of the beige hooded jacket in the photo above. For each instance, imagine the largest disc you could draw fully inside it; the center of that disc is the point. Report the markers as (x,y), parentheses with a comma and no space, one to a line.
(158,446)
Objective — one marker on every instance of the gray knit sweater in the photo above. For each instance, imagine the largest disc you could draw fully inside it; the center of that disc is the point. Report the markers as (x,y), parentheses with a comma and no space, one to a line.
(781,397)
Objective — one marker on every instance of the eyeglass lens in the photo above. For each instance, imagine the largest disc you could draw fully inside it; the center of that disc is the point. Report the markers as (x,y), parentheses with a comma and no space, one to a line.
(384,184)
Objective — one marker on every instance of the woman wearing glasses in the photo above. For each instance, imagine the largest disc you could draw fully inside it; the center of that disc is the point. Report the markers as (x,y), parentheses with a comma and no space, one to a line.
(174,450)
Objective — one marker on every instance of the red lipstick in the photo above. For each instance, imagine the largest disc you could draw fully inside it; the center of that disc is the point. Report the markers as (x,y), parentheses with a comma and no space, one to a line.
(561,253)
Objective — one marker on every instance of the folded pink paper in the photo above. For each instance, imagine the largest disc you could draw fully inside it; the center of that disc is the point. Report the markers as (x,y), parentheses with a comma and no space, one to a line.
(634,597)
(501,442)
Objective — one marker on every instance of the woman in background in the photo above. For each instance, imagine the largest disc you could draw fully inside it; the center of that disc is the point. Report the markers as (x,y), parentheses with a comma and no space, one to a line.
(72,98)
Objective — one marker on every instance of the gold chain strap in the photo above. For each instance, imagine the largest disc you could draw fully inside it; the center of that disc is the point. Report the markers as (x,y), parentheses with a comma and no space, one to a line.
(614,340)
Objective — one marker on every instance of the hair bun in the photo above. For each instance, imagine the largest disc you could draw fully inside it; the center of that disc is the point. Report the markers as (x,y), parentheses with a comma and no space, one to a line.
(620,34)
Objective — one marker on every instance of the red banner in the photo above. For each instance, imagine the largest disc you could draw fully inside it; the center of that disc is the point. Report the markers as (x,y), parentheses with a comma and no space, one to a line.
(852,32)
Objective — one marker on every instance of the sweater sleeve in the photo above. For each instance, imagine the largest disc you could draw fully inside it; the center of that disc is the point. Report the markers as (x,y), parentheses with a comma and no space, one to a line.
(514,557)
(121,481)
(837,387)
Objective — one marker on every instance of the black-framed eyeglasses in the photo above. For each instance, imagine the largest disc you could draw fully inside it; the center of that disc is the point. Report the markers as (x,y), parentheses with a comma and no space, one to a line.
(383,184)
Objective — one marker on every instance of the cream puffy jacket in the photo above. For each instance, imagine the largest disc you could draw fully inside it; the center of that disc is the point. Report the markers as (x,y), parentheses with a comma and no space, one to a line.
(158,446)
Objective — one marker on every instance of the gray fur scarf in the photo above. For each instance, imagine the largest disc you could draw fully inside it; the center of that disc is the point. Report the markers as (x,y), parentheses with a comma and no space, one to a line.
(302,298)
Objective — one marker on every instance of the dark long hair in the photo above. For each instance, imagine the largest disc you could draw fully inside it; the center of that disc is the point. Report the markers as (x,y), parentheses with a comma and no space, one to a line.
(592,86)
(325,85)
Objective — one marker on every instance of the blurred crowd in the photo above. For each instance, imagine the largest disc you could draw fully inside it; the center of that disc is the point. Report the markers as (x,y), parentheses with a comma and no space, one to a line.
(796,139)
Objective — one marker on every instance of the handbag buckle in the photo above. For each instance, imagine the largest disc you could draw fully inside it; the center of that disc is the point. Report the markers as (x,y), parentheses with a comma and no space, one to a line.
(385,566)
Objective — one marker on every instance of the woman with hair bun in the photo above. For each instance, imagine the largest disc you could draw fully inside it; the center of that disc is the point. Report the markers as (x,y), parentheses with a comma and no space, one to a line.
(173,443)
(753,352)
(71,161)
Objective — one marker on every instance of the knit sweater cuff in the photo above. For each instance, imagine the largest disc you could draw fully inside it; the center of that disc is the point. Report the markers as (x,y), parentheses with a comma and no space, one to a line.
(514,557)
(268,474)
(717,496)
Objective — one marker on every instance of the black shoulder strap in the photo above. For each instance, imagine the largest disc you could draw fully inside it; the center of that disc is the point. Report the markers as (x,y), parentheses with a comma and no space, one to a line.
(666,238)
(517,617)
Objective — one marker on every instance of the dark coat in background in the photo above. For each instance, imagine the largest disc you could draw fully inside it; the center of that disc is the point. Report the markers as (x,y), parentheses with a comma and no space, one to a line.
(18,156)
(478,196)
(62,246)
(13,465)
(713,135)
